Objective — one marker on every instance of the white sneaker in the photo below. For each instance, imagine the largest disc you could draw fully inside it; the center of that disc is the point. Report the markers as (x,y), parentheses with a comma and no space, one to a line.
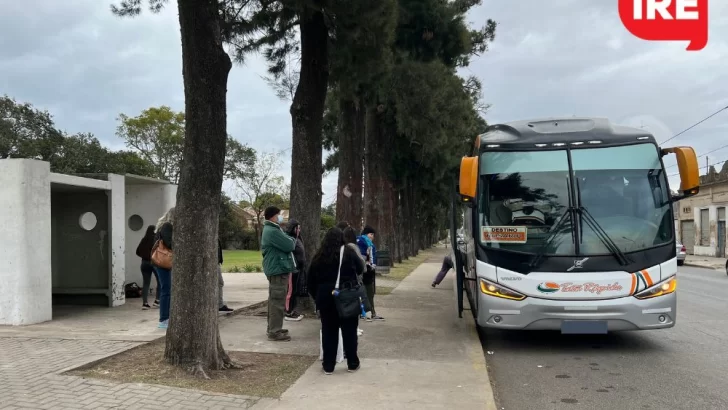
(359,332)
(293,318)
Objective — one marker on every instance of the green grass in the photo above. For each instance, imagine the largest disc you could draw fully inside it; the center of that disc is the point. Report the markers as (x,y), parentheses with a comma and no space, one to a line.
(402,270)
(238,260)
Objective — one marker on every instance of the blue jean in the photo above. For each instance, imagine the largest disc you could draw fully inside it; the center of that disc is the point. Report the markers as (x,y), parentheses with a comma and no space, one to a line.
(165,287)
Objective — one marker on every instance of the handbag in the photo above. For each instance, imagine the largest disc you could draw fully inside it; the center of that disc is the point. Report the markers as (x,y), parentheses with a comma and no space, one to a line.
(162,256)
(349,301)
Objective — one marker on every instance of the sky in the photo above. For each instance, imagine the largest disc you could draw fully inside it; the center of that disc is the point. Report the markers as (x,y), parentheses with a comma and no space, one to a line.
(550,58)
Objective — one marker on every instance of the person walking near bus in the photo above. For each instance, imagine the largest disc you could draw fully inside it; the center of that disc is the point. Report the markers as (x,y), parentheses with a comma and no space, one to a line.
(446,266)
(278,264)
(369,252)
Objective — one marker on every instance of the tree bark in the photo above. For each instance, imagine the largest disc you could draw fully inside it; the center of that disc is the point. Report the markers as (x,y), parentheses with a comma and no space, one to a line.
(351,162)
(193,337)
(405,209)
(413,223)
(397,224)
(307,111)
(378,185)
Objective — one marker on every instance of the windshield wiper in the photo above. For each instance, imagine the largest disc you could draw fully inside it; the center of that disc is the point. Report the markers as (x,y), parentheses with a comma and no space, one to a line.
(601,233)
(567,215)
(604,237)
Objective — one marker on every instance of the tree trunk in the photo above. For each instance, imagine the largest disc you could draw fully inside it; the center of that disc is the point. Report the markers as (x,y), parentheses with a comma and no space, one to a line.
(378,186)
(413,223)
(307,111)
(193,337)
(397,224)
(351,162)
(405,210)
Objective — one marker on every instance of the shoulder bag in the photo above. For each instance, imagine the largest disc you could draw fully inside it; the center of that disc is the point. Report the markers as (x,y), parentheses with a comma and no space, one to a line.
(162,256)
(351,300)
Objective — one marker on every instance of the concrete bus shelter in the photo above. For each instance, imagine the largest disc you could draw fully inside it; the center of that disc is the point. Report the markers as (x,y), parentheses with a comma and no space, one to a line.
(70,239)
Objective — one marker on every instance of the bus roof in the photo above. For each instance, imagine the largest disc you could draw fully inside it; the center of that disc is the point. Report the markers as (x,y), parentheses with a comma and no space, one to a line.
(544,133)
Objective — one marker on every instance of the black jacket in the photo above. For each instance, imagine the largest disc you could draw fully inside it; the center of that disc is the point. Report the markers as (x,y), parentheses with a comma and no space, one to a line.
(144,249)
(219,252)
(165,234)
(322,277)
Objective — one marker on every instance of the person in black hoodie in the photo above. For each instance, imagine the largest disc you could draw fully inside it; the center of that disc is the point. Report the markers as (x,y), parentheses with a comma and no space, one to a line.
(144,251)
(322,276)
(296,281)
(222,307)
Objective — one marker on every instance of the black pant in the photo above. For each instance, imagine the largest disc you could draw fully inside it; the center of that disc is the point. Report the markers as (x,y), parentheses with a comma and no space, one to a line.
(330,324)
(147,271)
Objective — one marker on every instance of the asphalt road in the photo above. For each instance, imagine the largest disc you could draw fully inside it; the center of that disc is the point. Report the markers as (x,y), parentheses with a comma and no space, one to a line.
(685,367)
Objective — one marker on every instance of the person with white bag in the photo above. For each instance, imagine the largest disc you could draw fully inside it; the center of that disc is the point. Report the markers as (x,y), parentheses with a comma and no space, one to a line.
(335,267)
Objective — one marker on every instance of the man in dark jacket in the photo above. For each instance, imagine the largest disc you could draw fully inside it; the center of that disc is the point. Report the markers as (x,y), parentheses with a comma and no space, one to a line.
(278,264)
(222,307)
(298,278)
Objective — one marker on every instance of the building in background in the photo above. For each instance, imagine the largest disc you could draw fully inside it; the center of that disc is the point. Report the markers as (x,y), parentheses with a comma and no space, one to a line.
(70,239)
(701,219)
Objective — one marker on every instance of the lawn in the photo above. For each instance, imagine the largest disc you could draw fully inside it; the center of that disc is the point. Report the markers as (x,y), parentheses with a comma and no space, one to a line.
(241,261)
(401,270)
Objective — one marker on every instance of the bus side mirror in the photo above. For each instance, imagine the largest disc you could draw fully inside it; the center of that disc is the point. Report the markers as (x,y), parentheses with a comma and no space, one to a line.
(468,180)
(687,163)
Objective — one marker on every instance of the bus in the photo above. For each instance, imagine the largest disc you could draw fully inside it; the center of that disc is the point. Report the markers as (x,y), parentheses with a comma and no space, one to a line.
(568,225)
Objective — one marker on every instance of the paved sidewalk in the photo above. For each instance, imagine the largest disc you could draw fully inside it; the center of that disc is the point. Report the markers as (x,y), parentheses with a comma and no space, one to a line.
(706,262)
(421,357)
(128,322)
(29,379)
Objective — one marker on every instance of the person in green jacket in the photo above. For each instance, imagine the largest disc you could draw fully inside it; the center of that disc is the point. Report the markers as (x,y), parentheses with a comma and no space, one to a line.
(278,263)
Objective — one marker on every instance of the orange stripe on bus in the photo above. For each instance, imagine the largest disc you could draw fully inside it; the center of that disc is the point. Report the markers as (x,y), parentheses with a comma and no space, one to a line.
(634,284)
(647,276)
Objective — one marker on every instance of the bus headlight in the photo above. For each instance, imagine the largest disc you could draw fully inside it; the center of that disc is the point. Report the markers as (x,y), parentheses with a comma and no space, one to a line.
(494,289)
(663,288)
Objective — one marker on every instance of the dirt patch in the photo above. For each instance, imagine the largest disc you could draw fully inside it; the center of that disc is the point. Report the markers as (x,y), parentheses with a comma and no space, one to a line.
(268,375)
(384,290)
(258,309)
(261,310)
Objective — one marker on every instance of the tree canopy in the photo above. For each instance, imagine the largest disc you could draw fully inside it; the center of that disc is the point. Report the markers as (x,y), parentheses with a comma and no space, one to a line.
(157,134)
(26,132)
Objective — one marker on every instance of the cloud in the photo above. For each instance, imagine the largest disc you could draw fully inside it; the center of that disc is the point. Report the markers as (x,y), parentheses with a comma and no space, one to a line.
(550,58)
(569,57)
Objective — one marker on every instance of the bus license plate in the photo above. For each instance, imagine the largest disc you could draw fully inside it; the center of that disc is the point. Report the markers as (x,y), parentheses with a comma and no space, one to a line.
(591,327)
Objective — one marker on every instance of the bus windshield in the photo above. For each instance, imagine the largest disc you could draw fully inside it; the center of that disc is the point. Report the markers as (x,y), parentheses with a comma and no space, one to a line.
(524,197)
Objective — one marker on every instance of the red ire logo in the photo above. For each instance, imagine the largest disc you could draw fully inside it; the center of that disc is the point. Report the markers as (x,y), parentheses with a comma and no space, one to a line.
(667,20)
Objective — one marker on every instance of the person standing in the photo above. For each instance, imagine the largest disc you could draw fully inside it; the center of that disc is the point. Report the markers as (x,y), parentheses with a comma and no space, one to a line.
(326,266)
(144,251)
(221,306)
(298,277)
(165,229)
(278,264)
(369,252)
(446,266)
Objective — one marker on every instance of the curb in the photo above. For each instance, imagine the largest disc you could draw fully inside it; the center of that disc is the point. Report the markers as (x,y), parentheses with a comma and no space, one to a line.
(695,265)
(480,363)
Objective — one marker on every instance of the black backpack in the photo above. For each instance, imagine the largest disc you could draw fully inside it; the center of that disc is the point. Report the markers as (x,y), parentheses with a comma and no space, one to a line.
(132,290)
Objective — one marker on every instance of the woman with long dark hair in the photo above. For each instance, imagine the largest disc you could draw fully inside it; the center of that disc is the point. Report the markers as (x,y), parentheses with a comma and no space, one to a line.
(144,251)
(322,276)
